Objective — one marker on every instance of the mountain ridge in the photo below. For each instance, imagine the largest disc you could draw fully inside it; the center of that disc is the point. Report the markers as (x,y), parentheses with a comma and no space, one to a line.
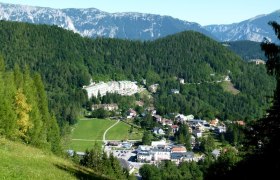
(93,22)
(253,29)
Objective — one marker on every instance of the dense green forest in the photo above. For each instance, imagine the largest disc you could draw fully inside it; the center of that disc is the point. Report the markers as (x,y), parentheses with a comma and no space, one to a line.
(24,113)
(67,61)
(247,50)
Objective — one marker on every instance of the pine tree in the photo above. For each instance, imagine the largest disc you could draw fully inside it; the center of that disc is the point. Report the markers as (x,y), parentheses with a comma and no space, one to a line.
(10,117)
(53,136)
(35,117)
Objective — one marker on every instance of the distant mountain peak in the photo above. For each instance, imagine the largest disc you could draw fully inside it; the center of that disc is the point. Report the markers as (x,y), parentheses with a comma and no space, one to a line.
(254,29)
(93,22)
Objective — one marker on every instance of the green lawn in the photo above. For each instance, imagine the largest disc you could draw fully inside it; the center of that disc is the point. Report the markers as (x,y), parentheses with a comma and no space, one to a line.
(88,130)
(91,129)
(121,132)
(81,146)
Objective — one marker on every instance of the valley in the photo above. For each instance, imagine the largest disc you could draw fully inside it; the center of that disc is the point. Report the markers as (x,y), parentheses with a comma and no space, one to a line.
(105,108)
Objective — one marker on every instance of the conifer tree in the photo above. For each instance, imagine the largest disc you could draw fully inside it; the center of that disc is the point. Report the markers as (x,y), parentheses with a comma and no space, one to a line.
(9,100)
(35,117)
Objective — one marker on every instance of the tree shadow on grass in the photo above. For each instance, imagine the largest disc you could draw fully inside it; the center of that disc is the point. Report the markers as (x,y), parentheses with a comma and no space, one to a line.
(80,173)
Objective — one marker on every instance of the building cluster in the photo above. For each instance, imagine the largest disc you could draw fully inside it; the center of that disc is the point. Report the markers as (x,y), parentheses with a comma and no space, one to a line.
(107,107)
(160,150)
(126,88)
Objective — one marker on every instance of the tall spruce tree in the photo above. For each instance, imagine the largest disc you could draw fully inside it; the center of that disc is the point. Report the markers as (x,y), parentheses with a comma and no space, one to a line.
(29,90)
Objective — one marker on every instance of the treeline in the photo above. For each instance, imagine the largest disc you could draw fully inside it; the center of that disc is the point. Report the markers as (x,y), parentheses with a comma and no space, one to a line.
(102,163)
(67,61)
(24,112)
(169,170)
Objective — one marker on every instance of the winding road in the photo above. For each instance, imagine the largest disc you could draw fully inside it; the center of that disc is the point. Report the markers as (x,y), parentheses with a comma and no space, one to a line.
(104,135)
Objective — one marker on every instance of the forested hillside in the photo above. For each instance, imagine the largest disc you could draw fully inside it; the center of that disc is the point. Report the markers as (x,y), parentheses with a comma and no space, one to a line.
(24,113)
(246,49)
(67,61)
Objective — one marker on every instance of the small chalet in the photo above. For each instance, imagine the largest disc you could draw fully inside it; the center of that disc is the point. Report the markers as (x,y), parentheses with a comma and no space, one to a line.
(240,123)
(153,88)
(175,128)
(157,118)
(214,122)
(131,113)
(158,131)
(167,122)
(174,91)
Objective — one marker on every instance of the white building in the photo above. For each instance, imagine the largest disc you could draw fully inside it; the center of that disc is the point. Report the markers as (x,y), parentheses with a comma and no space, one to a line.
(119,87)
(158,143)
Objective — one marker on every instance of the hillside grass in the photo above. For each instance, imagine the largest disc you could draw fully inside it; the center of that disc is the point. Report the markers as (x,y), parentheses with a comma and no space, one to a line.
(121,132)
(228,87)
(18,161)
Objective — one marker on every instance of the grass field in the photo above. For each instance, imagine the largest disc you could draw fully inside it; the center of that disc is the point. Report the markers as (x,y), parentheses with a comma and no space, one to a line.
(18,161)
(121,132)
(86,131)
(81,146)
(91,129)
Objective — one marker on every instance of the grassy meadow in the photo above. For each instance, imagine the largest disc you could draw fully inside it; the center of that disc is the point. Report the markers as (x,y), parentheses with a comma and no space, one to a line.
(121,132)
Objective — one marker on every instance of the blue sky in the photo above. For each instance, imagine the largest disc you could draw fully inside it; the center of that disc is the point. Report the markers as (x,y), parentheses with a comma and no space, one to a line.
(201,11)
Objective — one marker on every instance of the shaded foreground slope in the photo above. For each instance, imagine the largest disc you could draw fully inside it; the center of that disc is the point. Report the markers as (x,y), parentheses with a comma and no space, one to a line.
(18,161)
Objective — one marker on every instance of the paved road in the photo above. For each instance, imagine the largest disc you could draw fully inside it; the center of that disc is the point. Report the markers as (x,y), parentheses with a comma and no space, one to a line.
(104,135)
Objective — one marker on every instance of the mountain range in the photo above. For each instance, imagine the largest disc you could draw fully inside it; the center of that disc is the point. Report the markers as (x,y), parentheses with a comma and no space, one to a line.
(135,26)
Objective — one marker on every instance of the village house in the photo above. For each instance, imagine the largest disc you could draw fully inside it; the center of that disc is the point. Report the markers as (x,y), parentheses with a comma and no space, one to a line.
(161,153)
(257,61)
(197,133)
(143,148)
(181,157)
(167,122)
(220,129)
(144,156)
(175,128)
(153,88)
(174,91)
(216,153)
(181,118)
(158,131)
(178,149)
(182,81)
(158,143)
(240,123)
(157,118)
(126,145)
(131,113)
(214,122)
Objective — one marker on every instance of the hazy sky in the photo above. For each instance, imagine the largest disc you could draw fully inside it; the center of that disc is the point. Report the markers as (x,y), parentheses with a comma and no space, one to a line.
(201,11)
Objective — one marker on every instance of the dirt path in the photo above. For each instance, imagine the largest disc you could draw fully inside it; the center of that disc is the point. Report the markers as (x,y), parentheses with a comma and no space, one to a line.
(104,135)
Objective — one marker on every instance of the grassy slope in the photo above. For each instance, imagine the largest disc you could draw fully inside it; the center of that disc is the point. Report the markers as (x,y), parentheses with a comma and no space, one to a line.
(121,132)
(18,161)
(228,87)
